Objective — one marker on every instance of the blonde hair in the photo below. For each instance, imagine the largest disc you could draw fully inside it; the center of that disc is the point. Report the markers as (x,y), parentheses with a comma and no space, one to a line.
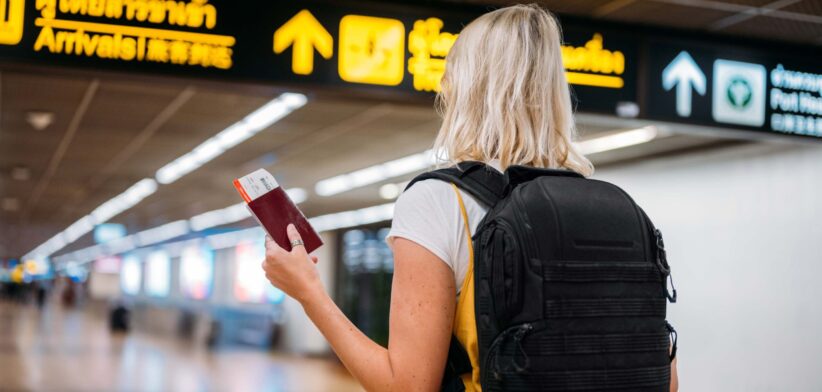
(504,95)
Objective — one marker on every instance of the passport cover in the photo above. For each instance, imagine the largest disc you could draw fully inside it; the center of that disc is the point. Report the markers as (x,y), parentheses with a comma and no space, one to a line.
(274,211)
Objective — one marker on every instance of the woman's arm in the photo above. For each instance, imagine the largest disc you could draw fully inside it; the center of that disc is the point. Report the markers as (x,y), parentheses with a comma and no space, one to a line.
(422,313)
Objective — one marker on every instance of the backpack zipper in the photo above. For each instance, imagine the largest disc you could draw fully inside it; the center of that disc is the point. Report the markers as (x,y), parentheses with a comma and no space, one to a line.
(518,332)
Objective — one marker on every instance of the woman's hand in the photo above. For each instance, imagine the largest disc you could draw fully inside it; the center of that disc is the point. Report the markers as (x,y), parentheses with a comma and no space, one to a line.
(292,272)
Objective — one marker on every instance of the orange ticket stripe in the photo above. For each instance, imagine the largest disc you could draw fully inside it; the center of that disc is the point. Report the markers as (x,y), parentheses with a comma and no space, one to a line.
(242,191)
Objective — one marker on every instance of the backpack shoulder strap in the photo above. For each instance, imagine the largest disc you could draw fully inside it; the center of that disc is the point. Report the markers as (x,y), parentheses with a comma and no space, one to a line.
(486,184)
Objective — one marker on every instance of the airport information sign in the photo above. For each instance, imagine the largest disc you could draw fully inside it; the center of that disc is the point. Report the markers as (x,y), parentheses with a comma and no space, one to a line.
(369,46)
(391,48)
(763,90)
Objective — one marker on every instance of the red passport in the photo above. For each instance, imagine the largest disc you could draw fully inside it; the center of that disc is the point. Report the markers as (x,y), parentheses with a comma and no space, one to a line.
(274,210)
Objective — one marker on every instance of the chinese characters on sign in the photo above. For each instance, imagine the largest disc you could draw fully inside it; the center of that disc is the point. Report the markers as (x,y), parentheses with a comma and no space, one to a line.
(60,33)
(796,99)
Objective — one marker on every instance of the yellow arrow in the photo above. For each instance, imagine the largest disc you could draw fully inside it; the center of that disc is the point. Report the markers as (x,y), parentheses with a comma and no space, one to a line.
(305,33)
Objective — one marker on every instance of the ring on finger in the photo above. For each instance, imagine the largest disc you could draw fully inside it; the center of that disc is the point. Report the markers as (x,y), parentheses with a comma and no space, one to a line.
(297,243)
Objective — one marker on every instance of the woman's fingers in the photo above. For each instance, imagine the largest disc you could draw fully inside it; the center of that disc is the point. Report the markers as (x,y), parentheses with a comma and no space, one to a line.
(314,259)
(294,235)
(272,246)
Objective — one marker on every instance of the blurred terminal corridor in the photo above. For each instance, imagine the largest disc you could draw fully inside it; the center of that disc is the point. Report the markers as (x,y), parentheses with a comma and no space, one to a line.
(70,348)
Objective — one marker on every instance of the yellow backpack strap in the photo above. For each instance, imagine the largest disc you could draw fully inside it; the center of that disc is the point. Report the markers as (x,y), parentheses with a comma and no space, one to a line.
(465,325)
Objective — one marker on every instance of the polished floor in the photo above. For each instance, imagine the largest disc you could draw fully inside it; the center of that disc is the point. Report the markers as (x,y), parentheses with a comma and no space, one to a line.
(56,349)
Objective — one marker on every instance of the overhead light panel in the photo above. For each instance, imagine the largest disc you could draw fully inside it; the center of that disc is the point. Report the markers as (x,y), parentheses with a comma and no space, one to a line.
(374,174)
(78,229)
(39,120)
(162,233)
(11,204)
(122,202)
(618,140)
(235,134)
(223,216)
(20,173)
(358,217)
(297,195)
(101,214)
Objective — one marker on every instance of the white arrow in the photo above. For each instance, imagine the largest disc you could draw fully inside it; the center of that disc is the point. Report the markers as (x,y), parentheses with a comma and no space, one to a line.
(683,73)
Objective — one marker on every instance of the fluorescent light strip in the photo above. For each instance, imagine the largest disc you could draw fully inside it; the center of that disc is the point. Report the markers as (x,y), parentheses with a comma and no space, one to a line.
(398,167)
(101,214)
(235,134)
(351,218)
(320,223)
(618,140)
(122,202)
(374,174)
(223,216)
(162,233)
(331,186)
(236,212)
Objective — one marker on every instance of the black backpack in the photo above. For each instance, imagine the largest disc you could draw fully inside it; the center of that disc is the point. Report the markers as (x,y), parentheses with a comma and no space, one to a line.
(570,281)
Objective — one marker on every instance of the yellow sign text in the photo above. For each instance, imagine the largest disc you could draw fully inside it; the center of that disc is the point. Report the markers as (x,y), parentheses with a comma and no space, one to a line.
(372,50)
(591,65)
(12,13)
(134,43)
(194,14)
(428,46)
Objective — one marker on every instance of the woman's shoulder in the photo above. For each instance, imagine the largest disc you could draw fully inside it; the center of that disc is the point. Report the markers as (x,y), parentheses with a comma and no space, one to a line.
(430,191)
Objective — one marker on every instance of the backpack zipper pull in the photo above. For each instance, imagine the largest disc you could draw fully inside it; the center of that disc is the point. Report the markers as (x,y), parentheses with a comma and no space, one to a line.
(673,337)
(518,336)
(662,264)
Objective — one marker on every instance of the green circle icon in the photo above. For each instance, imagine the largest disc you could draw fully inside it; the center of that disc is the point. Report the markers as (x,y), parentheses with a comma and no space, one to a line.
(739,93)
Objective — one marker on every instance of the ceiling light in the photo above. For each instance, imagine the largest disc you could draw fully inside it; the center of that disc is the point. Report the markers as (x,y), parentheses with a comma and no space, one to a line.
(227,240)
(297,195)
(627,109)
(359,217)
(11,204)
(374,174)
(101,214)
(618,140)
(39,120)
(121,245)
(20,173)
(235,134)
(162,233)
(124,201)
(389,191)
(78,229)
(223,216)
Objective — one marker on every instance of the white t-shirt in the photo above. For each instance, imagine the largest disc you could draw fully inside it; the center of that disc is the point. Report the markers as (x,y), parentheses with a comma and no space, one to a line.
(429,214)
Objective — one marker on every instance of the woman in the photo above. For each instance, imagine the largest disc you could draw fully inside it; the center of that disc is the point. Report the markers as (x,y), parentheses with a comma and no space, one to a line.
(504,101)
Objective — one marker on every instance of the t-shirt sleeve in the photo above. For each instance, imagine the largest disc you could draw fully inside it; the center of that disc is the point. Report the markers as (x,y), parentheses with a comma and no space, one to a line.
(420,216)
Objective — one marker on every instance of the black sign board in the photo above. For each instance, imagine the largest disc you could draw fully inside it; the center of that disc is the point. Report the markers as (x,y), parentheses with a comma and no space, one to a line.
(399,48)
(370,45)
(734,86)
